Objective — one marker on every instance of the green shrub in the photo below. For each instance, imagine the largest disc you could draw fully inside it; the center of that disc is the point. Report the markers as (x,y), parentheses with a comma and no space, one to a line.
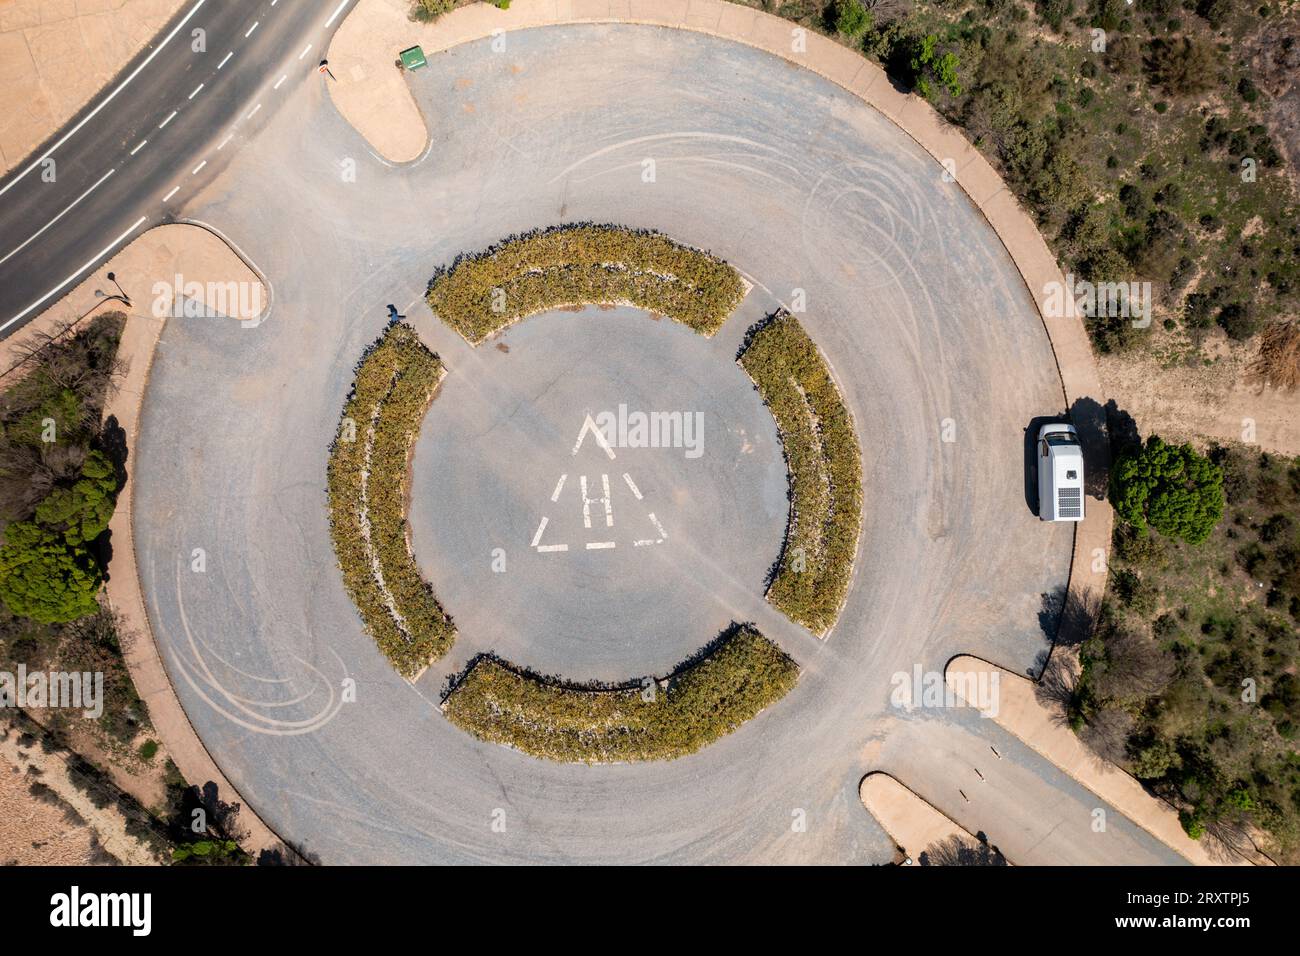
(395,382)
(583,265)
(729,683)
(821,450)
(426,11)
(850,17)
(1171,488)
(148,749)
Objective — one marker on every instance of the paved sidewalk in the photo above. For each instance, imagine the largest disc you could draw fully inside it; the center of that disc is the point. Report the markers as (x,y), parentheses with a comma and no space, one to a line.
(910,821)
(147,271)
(1020,713)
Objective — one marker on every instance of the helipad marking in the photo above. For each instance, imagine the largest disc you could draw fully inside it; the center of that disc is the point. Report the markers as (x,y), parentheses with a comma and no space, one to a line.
(590,426)
(540,528)
(559,486)
(600,545)
(631,484)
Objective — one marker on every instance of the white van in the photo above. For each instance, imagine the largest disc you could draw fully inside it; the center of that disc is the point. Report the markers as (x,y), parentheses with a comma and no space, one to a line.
(1060,474)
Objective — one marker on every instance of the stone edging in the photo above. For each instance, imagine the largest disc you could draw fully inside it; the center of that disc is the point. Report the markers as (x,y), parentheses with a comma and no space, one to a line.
(1021,715)
(372,95)
(123,592)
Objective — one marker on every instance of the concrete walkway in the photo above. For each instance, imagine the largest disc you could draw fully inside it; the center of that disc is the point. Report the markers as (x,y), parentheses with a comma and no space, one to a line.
(147,271)
(1020,713)
(910,821)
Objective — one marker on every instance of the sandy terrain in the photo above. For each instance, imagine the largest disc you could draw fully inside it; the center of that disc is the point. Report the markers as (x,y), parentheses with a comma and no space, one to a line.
(1201,402)
(38,41)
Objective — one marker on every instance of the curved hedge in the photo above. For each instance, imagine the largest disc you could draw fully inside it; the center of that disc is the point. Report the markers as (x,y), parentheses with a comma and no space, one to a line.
(584,264)
(706,698)
(395,381)
(811,580)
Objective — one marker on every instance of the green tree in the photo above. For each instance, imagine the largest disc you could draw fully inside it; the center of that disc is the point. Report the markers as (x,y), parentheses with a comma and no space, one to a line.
(46,572)
(44,579)
(1170,488)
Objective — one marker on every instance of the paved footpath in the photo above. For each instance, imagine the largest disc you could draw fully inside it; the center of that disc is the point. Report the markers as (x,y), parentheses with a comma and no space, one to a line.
(154,260)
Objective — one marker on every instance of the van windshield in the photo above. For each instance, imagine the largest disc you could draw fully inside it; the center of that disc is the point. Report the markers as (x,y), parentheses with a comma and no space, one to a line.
(1062,438)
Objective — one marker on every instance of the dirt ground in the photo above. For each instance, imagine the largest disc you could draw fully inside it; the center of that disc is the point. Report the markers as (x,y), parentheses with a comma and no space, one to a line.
(39,39)
(1200,402)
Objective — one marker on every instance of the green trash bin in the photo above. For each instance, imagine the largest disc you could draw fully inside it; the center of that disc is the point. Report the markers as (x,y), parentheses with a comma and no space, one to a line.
(413,58)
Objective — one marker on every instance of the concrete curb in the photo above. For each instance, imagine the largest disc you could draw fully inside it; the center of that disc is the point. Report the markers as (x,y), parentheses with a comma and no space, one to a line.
(197,251)
(1022,716)
(912,822)
(372,95)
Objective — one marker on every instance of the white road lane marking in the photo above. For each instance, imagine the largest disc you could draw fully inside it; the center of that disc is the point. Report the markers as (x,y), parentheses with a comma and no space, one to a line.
(280,81)
(253,111)
(305,51)
(559,486)
(540,528)
(60,215)
(225,58)
(104,102)
(195,170)
(168,119)
(632,484)
(196,92)
(251,29)
(335,15)
(175,190)
(225,141)
(600,545)
(547,548)
(139,146)
(95,259)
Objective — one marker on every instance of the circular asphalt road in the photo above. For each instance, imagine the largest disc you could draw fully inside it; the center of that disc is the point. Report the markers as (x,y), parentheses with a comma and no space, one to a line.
(812,195)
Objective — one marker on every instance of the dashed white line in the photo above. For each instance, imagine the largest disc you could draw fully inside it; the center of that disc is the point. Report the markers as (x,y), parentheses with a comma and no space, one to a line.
(540,528)
(196,92)
(631,484)
(175,190)
(104,102)
(251,29)
(547,548)
(60,215)
(167,120)
(600,545)
(253,111)
(305,51)
(559,486)
(225,141)
(94,260)
(335,15)
(139,146)
(195,170)
(225,58)
(279,81)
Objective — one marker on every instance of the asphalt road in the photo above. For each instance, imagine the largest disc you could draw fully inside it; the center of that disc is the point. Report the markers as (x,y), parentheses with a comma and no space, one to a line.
(160,131)
(930,332)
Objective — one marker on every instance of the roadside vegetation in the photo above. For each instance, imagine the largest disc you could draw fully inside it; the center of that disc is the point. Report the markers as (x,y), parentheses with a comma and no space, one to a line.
(1147,139)
(1189,678)
(584,264)
(367,485)
(811,577)
(59,477)
(705,698)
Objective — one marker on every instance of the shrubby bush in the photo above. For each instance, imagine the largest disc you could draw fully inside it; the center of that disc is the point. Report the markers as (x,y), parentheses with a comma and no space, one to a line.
(1171,488)
(583,265)
(709,697)
(395,381)
(821,450)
